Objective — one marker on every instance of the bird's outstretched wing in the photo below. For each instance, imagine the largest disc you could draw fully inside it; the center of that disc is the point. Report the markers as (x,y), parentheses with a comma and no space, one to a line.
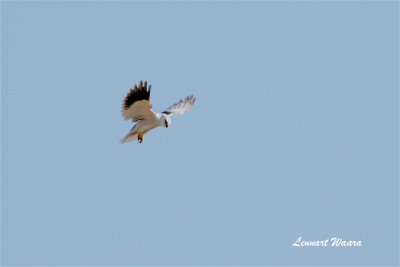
(136,105)
(180,107)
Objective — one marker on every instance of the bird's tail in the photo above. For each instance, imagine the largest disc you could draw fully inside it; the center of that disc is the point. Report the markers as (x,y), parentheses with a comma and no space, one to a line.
(129,137)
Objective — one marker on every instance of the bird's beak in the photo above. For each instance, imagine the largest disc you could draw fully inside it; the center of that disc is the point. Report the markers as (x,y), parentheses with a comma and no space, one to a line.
(166,124)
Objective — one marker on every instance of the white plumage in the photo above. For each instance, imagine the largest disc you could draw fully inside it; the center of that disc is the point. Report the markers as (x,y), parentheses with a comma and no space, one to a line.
(137,107)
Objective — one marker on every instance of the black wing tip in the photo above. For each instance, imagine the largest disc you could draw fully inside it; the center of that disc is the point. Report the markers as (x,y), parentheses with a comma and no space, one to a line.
(137,93)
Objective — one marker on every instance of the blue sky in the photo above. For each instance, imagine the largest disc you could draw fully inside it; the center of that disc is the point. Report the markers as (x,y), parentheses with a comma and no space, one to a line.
(294,133)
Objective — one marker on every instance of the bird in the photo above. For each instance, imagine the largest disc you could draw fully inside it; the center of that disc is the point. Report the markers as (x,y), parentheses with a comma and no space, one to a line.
(136,106)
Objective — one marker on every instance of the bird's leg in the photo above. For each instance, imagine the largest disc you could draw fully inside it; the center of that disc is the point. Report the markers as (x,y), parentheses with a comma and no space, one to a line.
(140,138)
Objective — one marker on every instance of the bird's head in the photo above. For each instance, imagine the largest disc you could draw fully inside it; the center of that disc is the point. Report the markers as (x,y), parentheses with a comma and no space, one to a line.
(166,120)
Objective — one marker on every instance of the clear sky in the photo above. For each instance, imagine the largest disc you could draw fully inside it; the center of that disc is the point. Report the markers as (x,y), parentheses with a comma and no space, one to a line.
(294,133)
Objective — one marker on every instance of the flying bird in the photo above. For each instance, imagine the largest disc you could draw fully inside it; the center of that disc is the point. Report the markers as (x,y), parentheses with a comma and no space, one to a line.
(137,107)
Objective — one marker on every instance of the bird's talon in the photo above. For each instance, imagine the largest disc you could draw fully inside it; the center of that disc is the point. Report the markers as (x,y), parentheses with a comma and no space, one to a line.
(140,138)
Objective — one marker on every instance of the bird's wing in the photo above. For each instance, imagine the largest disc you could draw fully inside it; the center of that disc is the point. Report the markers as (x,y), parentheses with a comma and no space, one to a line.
(180,107)
(136,105)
